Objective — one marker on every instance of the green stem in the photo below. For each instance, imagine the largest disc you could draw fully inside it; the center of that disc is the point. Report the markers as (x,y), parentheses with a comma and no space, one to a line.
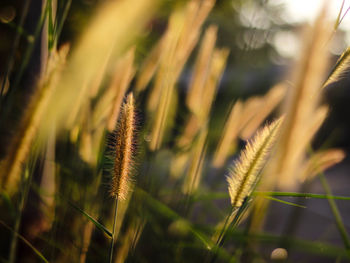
(113,232)
(231,225)
(306,195)
(335,211)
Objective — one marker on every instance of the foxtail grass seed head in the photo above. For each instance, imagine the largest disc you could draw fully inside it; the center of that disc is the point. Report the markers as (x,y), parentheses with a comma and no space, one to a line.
(123,150)
(244,172)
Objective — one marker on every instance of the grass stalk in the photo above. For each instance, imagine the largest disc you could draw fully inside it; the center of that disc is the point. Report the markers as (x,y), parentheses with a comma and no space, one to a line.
(113,231)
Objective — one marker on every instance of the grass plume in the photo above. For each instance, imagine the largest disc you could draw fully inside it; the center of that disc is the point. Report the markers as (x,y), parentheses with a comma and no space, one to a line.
(341,67)
(19,147)
(124,145)
(244,173)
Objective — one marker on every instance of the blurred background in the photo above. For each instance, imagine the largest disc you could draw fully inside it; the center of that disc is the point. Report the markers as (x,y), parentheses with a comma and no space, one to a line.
(264,38)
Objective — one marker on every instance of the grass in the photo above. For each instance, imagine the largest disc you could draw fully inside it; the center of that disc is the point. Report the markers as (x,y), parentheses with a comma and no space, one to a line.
(158,197)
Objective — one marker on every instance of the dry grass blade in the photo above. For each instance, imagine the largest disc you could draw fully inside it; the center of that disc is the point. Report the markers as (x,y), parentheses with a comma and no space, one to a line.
(201,70)
(193,175)
(296,156)
(150,65)
(301,105)
(244,173)
(107,109)
(124,146)
(121,82)
(181,37)
(205,98)
(215,73)
(229,135)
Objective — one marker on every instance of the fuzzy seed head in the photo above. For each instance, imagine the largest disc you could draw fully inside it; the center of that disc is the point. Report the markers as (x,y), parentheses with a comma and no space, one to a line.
(123,158)
(244,172)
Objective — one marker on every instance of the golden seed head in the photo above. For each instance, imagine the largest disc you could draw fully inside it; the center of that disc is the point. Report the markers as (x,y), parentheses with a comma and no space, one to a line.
(244,173)
(123,158)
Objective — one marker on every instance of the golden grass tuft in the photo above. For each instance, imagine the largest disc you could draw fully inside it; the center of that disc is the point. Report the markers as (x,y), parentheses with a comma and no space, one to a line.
(123,159)
(244,173)
(320,162)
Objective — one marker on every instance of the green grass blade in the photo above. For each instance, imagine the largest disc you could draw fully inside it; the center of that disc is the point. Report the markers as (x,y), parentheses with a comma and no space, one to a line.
(335,211)
(306,195)
(28,52)
(50,25)
(225,195)
(283,202)
(59,25)
(94,221)
(37,252)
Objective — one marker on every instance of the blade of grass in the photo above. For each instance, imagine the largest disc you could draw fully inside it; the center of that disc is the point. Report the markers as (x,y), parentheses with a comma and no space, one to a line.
(335,211)
(50,24)
(306,195)
(224,195)
(284,202)
(337,22)
(59,25)
(31,45)
(37,252)
(94,221)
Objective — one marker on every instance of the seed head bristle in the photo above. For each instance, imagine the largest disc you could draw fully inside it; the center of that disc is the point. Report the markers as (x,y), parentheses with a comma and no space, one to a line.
(244,173)
(123,158)
(340,69)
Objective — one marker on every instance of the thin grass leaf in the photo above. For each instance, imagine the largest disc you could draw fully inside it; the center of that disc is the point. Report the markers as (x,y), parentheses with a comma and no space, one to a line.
(337,21)
(284,202)
(94,221)
(30,48)
(306,195)
(50,19)
(59,25)
(336,213)
(37,252)
(225,195)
